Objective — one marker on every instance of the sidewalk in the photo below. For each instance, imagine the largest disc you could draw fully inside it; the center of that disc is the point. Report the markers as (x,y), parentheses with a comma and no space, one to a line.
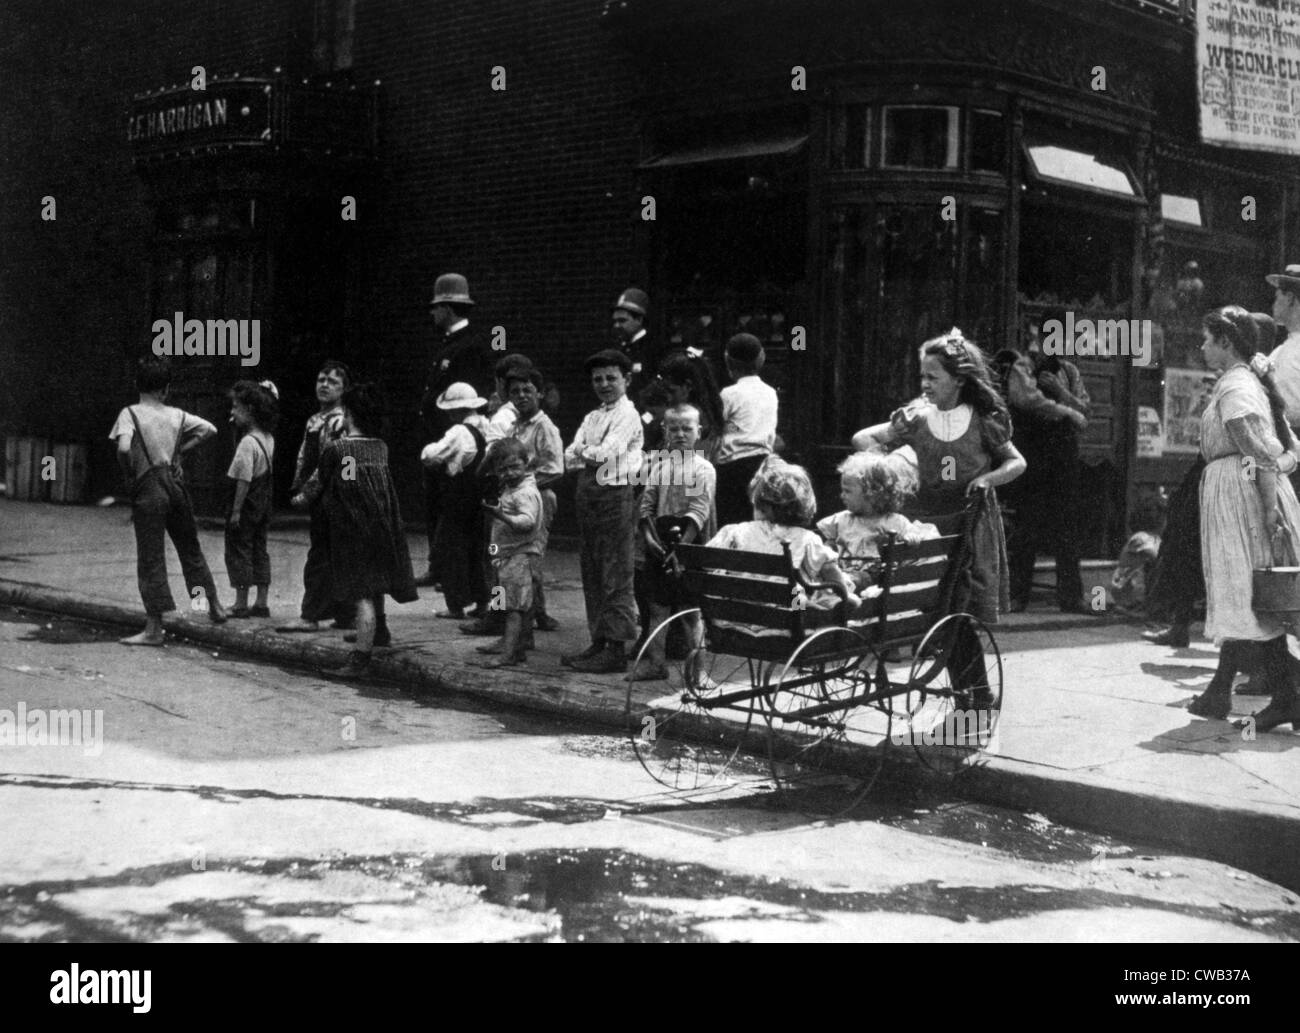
(1094,731)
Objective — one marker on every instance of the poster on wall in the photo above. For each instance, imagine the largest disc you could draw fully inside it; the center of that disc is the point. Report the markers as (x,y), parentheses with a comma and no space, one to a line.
(1150,435)
(1248,74)
(1186,393)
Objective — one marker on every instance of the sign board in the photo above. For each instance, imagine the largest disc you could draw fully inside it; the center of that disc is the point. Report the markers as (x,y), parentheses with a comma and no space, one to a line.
(1186,393)
(1150,438)
(1248,73)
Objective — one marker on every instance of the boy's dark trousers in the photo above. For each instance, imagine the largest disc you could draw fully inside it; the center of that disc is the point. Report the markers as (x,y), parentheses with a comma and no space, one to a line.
(163,506)
(607,521)
(247,561)
(732,496)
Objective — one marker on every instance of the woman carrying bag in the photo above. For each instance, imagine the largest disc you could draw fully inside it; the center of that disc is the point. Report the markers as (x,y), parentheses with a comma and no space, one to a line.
(1249,516)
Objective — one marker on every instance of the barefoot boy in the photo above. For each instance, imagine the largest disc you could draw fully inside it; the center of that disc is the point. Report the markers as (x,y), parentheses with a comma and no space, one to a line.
(516,548)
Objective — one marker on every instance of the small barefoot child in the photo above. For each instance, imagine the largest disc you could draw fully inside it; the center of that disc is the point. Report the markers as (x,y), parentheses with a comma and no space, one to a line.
(369,557)
(151,438)
(678,502)
(516,549)
(784,504)
(874,488)
(254,410)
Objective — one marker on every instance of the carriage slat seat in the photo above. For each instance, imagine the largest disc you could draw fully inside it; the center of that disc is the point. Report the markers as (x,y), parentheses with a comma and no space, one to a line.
(757,604)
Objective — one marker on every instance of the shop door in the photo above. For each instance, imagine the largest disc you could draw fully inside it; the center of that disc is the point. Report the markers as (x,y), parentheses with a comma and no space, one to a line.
(208,264)
(1080,262)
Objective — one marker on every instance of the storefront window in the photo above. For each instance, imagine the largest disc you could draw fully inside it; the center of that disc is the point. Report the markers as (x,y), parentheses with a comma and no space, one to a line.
(920,137)
(988,144)
(1183,210)
(1080,169)
(851,136)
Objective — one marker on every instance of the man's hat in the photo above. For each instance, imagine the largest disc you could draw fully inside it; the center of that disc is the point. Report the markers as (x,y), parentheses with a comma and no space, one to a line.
(460,396)
(451,289)
(633,300)
(1289,280)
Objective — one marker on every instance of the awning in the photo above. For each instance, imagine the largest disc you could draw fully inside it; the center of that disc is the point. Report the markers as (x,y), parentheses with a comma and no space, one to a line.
(766,147)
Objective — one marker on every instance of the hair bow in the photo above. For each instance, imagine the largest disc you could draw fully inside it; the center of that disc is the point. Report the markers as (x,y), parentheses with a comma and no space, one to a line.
(270,386)
(1261,365)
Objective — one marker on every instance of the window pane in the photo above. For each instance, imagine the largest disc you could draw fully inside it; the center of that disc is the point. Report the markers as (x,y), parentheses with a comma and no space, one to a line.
(982,300)
(1080,169)
(920,138)
(988,151)
(1186,210)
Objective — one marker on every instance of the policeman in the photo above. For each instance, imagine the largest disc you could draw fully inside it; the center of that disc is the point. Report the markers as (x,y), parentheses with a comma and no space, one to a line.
(460,355)
(631,311)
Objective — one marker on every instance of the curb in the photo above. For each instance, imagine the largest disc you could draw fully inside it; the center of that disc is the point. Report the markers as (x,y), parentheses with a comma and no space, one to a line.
(1264,840)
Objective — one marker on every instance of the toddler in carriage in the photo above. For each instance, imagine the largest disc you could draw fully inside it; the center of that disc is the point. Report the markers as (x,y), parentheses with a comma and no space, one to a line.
(784,505)
(874,487)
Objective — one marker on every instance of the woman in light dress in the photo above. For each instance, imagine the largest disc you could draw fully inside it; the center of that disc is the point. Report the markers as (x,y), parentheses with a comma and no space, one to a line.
(1249,515)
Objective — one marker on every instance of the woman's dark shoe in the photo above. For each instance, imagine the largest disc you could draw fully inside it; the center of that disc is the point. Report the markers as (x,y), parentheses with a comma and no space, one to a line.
(217,613)
(1176,636)
(238,613)
(259,611)
(1215,704)
(1273,716)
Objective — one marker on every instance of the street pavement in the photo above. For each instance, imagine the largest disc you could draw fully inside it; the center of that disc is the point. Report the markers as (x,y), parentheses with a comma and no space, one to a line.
(1094,731)
(231,799)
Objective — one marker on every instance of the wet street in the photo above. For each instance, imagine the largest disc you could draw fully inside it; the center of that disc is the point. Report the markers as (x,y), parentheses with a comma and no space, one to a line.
(235,800)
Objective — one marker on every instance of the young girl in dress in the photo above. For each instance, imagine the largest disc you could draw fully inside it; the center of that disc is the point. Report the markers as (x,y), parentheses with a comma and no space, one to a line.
(254,409)
(874,488)
(369,557)
(961,433)
(784,505)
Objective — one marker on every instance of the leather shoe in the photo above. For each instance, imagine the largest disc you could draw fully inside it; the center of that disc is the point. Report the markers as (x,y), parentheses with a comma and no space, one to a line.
(1212,704)
(608,661)
(592,650)
(1274,715)
(1175,636)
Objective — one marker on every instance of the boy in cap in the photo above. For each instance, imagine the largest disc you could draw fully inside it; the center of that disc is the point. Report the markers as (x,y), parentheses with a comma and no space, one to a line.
(458,540)
(749,411)
(606,452)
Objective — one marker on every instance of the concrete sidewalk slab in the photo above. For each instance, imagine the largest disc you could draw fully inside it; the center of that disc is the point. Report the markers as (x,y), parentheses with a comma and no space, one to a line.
(1094,729)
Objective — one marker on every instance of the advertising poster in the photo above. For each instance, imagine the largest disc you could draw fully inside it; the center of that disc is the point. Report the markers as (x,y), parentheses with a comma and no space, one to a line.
(1248,73)
(1186,393)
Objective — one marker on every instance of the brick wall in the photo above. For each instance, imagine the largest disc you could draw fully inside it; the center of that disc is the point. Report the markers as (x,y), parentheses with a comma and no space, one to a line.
(527,191)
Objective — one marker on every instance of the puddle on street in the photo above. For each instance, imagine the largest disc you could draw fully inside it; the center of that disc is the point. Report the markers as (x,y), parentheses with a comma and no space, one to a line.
(589,895)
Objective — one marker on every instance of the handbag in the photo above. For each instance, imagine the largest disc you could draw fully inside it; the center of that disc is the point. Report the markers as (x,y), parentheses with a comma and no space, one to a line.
(1276,589)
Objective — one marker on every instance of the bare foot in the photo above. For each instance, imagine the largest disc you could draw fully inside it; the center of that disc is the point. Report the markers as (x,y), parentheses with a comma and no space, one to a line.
(491,648)
(508,660)
(298,625)
(142,639)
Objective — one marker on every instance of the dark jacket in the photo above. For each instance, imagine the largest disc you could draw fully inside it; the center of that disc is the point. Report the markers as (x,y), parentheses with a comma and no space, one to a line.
(463,356)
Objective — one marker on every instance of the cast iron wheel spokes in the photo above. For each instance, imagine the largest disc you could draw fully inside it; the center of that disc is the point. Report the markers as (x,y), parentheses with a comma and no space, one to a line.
(682,738)
(814,708)
(954,699)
